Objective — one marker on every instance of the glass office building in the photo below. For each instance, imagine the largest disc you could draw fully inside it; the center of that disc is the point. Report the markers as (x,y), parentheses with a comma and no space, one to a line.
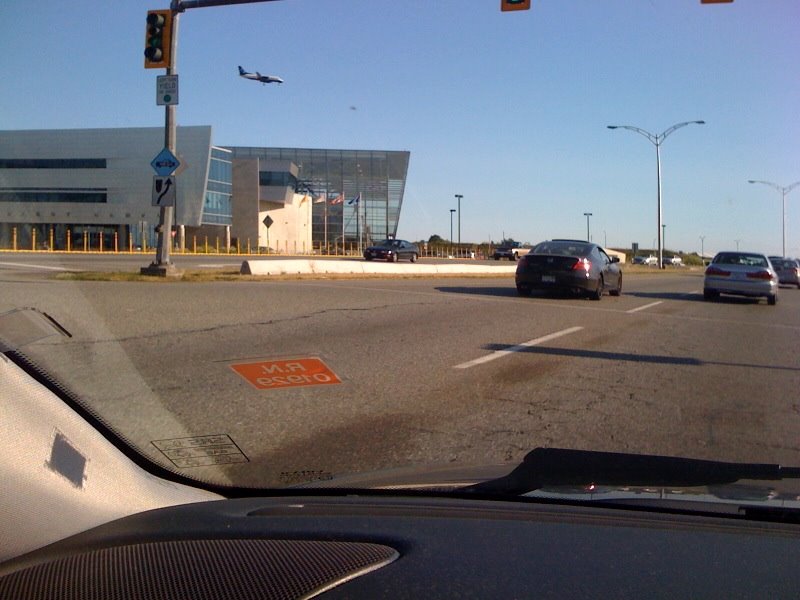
(356,193)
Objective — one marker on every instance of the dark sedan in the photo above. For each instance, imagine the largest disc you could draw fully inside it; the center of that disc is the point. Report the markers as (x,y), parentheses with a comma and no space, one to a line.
(392,250)
(569,266)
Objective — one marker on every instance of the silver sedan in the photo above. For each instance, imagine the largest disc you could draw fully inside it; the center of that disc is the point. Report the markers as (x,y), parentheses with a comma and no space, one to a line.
(741,274)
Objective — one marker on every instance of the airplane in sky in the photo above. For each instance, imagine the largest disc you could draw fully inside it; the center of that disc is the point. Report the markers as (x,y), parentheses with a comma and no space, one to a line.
(259,77)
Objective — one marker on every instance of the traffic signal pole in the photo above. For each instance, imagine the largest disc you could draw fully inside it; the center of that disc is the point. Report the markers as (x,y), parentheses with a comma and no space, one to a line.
(160,57)
(163,266)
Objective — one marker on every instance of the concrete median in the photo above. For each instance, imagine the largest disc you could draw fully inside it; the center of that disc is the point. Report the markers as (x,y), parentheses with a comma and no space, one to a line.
(311,266)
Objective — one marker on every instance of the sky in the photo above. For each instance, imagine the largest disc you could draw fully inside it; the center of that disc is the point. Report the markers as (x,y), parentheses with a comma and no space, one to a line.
(508,109)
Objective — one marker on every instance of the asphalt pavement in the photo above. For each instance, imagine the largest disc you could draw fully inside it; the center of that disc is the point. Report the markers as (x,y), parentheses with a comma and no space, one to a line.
(436,370)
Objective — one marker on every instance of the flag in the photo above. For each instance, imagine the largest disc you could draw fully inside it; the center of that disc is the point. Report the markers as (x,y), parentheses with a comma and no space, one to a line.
(338,199)
(321,198)
(355,200)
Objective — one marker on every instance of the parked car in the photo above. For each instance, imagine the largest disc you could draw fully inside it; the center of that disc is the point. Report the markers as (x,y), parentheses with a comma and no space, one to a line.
(392,250)
(510,252)
(741,274)
(788,270)
(645,260)
(675,261)
(569,265)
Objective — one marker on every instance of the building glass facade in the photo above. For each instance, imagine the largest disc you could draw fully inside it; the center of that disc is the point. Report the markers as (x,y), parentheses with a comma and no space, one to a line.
(357,193)
(217,208)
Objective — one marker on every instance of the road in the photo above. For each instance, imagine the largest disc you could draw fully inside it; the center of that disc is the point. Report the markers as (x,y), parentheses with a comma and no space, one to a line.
(445,371)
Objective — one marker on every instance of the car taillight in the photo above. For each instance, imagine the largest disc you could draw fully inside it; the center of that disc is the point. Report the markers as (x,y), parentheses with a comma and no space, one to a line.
(760,275)
(717,271)
(583,264)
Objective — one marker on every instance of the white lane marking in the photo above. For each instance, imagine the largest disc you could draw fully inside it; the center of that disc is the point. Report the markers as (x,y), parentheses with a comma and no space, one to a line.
(498,353)
(28,266)
(637,309)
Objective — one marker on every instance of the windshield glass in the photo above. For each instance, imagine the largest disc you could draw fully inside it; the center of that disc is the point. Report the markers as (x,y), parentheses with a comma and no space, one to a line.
(200,229)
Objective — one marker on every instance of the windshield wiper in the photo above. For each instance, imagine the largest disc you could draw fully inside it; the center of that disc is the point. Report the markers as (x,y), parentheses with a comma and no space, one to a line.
(544,467)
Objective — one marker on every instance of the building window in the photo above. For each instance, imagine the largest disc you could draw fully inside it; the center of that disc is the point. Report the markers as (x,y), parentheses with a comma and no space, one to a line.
(277,178)
(91,196)
(52,163)
(217,209)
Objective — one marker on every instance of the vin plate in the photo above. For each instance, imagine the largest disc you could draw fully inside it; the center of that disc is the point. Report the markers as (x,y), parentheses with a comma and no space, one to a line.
(201,451)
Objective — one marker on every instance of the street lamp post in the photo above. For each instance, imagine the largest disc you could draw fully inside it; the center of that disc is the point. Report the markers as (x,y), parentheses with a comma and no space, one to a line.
(657,140)
(452,210)
(587,215)
(702,249)
(459,197)
(737,244)
(783,191)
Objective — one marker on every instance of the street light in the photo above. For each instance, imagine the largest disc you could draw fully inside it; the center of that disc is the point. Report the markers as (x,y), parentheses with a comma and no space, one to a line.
(737,244)
(783,191)
(702,249)
(587,215)
(657,140)
(452,210)
(459,197)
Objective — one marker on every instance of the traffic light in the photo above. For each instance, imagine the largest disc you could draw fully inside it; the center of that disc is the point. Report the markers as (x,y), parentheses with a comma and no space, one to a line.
(158,39)
(515,5)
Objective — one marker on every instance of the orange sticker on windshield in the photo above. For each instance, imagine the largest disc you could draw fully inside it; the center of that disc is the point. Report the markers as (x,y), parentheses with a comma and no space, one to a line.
(294,372)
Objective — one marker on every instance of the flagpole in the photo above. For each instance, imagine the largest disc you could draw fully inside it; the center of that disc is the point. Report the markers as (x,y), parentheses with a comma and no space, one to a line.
(358,223)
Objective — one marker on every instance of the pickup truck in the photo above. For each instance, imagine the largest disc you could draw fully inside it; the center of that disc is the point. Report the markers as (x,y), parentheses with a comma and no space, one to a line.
(509,252)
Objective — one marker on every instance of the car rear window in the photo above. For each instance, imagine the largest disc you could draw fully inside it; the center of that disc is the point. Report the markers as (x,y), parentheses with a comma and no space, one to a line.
(747,260)
(562,248)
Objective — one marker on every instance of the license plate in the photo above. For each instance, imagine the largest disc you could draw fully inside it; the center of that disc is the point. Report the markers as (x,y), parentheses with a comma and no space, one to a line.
(548,279)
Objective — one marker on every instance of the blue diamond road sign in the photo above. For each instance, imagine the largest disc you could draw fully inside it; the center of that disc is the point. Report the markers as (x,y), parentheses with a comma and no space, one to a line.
(165,163)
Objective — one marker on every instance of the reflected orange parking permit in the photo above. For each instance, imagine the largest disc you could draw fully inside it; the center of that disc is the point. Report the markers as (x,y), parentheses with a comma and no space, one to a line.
(293,372)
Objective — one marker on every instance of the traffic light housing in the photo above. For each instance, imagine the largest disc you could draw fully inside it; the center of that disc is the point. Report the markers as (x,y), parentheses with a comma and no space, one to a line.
(158,39)
(515,5)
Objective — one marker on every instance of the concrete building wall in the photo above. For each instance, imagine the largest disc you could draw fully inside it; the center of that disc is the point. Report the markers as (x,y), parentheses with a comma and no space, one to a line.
(290,231)
(127,178)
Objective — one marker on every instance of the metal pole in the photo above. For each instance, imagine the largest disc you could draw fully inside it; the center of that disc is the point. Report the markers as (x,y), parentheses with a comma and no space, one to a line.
(587,215)
(658,175)
(459,197)
(783,214)
(163,265)
(657,140)
(783,190)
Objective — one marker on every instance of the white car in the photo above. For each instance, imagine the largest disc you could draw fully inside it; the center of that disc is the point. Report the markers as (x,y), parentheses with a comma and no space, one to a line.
(644,260)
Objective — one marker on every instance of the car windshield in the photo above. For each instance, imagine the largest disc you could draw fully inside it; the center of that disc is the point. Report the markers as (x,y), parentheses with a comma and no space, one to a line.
(193,241)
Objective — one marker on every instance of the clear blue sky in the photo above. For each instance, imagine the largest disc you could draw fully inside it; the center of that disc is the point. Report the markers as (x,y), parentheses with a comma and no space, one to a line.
(508,109)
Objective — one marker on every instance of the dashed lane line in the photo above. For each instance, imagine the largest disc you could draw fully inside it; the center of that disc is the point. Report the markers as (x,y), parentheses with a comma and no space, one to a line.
(519,348)
(646,306)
